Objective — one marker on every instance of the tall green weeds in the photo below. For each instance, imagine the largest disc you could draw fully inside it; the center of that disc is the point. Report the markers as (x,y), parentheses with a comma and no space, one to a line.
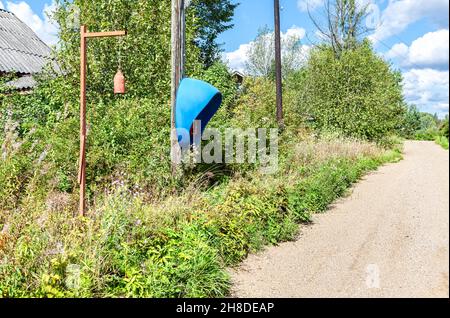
(179,246)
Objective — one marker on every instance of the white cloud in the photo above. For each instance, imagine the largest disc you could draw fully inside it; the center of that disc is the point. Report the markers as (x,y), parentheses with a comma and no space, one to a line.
(399,14)
(311,5)
(399,50)
(428,89)
(294,31)
(1,5)
(45,28)
(236,60)
(442,107)
(430,50)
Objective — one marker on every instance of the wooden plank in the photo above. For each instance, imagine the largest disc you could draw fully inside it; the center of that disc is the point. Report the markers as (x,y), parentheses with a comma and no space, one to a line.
(104,34)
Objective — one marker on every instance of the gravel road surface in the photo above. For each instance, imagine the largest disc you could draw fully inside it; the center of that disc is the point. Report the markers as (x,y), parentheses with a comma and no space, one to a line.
(389,238)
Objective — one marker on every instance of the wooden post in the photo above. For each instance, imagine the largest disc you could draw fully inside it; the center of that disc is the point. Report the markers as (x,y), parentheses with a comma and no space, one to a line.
(84,35)
(279,80)
(182,37)
(82,170)
(178,57)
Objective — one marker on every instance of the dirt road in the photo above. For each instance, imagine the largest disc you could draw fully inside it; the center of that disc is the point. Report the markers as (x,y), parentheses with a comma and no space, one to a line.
(389,238)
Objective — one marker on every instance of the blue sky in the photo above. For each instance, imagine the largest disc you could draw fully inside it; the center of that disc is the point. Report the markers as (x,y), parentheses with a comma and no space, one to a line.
(412,34)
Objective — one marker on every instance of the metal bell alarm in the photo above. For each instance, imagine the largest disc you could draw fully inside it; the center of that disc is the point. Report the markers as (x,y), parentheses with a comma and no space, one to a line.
(119,83)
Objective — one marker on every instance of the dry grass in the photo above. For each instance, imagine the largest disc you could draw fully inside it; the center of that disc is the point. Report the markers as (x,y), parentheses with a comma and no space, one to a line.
(313,150)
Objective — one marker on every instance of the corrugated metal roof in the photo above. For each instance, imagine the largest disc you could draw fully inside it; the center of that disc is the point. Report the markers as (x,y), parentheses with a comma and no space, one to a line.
(24,82)
(21,50)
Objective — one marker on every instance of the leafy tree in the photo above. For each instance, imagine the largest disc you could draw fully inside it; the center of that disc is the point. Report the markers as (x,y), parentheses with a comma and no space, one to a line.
(127,135)
(429,127)
(214,17)
(357,94)
(144,52)
(411,123)
(344,26)
(261,55)
(444,127)
(428,122)
(422,125)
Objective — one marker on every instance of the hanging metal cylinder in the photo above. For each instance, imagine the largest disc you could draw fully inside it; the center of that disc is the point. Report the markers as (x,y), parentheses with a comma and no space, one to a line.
(119,83)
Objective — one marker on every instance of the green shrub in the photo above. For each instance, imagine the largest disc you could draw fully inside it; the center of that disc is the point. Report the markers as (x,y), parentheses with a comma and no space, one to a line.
(255,108)
(411,122)
(245,216)
(444,128)
(429,134)
(442,141)
(357,94)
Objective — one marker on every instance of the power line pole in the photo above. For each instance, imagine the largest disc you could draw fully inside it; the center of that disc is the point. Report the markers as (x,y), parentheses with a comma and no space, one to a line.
(279,80)
(177,39)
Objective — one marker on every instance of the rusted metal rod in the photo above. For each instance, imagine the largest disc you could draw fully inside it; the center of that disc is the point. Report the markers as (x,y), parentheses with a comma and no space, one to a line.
(84,35)
(82,170)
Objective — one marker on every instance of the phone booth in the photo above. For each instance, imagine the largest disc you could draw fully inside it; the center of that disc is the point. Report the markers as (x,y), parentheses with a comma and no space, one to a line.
(196,100)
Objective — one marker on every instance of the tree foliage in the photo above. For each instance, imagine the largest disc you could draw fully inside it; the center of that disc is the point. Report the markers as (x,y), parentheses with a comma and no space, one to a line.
(261,54)
(343,27)
(411,123)
(144,52)
(128,136)
(214,18)
(444,128)
(357,94)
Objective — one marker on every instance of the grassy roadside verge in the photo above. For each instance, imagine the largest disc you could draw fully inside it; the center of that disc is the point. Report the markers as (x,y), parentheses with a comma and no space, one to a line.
(179,247)
(442,141)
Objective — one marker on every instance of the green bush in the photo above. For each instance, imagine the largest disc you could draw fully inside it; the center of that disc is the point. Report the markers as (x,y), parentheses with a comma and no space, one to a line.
(442,141)
(429,127)
(357,94)
(411,123)
(246,216)
(429,134)
(255,108)
(444,128)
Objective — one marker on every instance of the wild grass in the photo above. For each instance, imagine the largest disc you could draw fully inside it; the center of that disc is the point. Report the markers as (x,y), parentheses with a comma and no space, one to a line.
(178,246)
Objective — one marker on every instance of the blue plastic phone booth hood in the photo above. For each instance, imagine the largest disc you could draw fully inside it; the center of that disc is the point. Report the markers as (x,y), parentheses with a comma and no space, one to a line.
(196,100)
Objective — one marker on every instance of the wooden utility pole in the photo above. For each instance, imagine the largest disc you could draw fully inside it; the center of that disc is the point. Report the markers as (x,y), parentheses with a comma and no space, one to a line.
(279,80)
(176,77)
(83,70)
(178,60)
